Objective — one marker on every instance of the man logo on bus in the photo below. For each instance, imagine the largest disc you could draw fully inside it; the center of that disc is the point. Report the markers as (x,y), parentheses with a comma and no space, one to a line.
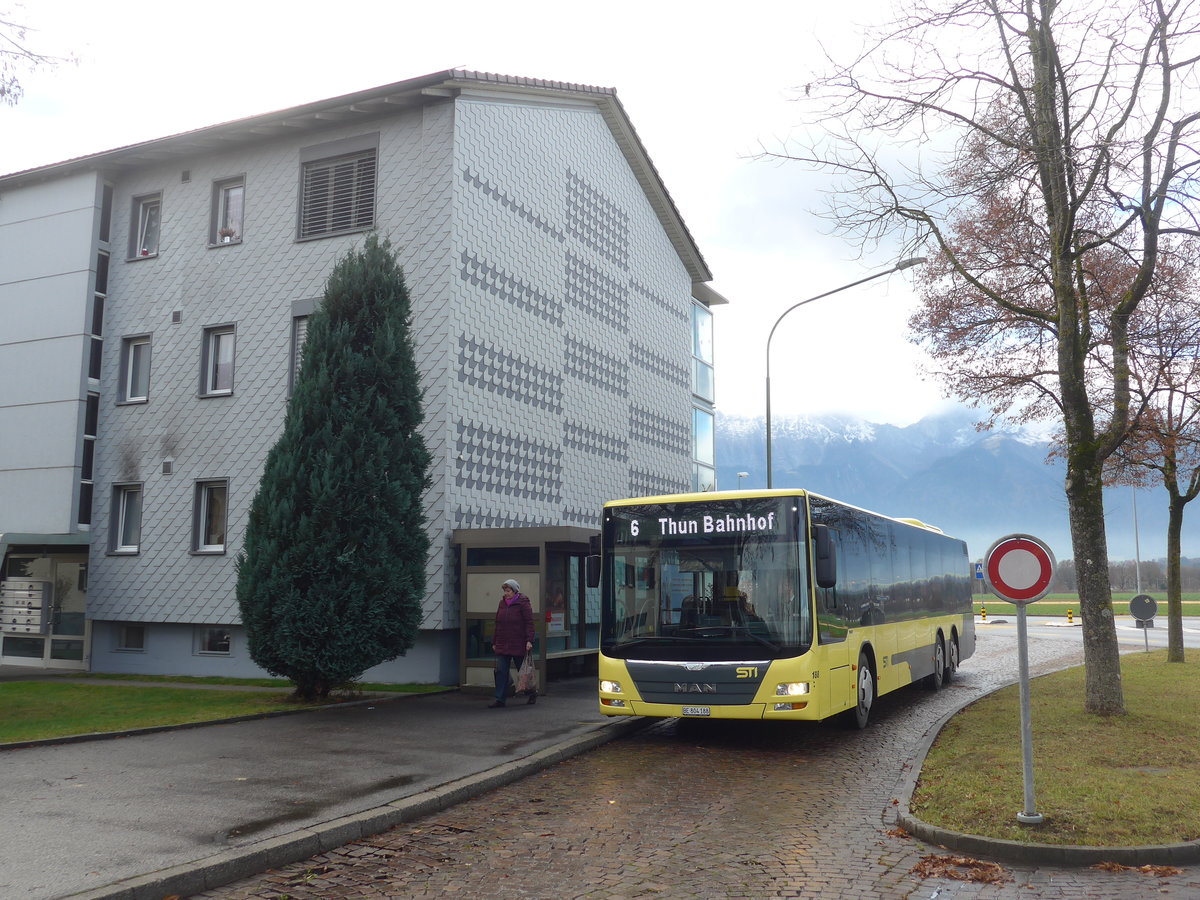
(694,688)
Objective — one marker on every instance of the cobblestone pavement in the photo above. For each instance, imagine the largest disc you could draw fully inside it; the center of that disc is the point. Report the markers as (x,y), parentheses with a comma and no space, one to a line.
(706,810)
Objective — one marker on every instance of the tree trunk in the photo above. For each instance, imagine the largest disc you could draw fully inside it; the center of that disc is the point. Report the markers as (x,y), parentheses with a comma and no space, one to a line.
(310,687)
(1103,694)
(1174,588)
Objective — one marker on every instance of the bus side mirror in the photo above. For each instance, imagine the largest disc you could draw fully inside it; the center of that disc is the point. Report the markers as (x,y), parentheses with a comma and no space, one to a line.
(593,571)
(825,555)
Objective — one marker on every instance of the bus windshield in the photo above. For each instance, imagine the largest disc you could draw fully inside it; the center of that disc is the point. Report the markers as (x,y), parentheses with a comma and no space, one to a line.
(720,579)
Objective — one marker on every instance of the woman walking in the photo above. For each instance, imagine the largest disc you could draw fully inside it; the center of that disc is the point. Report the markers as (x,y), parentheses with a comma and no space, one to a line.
(513,638)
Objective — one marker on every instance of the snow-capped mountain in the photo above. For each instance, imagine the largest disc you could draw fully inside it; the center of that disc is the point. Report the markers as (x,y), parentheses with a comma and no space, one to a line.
(975,485)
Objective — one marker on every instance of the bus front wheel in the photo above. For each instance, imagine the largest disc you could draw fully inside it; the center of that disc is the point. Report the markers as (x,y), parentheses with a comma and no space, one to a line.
(866,692)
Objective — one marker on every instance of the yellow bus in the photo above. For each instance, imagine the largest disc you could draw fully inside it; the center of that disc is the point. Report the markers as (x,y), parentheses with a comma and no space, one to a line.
(773,604)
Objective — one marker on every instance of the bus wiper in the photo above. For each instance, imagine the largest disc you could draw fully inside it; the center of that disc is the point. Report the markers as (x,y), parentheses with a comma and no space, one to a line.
(760,639)
(659,639)
(711,631)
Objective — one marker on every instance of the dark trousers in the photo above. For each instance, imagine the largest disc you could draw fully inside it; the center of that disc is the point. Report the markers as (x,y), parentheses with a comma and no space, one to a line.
(503,663)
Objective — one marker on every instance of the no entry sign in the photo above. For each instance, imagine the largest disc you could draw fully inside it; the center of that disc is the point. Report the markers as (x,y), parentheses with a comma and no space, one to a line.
(1019,568)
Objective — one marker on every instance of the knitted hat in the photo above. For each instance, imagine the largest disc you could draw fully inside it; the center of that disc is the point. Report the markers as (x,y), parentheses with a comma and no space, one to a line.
(512,584)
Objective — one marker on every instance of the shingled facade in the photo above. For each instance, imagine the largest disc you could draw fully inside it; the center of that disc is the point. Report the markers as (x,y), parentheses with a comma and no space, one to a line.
(159,294)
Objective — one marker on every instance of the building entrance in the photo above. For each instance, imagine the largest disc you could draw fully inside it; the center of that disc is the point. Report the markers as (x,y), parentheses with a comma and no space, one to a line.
(43,599)
(549,564)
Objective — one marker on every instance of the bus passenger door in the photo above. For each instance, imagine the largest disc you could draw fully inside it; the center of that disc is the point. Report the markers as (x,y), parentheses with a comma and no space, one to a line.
(834,683)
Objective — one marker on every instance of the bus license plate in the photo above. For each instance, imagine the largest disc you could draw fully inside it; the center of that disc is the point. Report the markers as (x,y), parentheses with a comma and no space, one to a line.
(697,711)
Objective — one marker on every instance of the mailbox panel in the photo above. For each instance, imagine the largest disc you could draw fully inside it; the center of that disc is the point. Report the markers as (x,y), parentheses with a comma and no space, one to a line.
(24,606)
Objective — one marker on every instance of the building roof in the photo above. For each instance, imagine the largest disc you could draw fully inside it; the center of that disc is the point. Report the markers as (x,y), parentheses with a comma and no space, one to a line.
(373,102)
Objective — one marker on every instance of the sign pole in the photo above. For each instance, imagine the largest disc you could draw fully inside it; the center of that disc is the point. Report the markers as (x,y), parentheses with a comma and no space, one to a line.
(1029,816)
(1143,607)
(1019,568)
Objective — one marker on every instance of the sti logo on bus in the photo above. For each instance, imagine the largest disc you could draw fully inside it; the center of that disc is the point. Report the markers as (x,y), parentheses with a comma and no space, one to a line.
(747,671)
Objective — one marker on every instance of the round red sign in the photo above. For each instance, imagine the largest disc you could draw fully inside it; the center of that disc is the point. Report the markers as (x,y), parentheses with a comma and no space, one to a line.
(1019,568)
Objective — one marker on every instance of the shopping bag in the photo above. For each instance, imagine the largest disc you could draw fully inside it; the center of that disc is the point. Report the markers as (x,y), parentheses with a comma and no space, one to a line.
(527,676)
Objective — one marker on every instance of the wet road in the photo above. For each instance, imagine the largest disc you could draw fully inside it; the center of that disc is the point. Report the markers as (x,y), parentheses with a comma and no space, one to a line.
(707,810)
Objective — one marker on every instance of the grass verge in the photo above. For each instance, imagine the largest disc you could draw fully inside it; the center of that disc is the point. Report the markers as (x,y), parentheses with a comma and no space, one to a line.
(1107,782)
(36,710)
(39,710)
(1057,606)
(357,686)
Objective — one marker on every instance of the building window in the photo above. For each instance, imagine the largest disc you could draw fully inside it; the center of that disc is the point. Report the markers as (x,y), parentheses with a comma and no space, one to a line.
(94,359)
(216,376)
(97,326)
(299,336)
(702,353)
(127,518)
(704,473)
(211,497)
(91,417)
(146,219)
(106,198)
(88,462)
(229,198)
(85,502)
(131,638)
(216,641)
(135,369)
(337,195)
(101,277)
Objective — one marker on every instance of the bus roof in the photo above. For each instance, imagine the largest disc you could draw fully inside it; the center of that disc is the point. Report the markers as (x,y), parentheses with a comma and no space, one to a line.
(708,496)
(703,496)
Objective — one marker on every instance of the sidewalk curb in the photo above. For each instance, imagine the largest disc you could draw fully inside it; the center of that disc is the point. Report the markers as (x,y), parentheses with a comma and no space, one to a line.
(253,859)
(1066,855)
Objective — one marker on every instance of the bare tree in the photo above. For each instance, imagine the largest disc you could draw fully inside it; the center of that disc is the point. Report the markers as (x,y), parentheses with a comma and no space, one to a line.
(1164,446)
(1045,150)
(18,57)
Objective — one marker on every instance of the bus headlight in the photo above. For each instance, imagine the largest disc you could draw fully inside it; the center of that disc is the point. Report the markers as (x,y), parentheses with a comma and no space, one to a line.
(610,687)
(791,689)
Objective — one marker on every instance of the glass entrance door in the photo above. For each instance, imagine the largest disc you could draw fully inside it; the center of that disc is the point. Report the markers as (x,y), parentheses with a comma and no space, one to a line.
(64,646)
(572,609)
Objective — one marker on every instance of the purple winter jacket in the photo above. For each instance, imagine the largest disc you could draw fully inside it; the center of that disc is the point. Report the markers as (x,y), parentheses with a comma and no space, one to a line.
(514,627)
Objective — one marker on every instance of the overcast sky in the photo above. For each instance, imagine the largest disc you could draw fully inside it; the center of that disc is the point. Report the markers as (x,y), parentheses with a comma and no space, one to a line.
(706,86)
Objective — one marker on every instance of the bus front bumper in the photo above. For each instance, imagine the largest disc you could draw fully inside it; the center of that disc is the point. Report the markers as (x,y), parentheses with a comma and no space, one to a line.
(798,711)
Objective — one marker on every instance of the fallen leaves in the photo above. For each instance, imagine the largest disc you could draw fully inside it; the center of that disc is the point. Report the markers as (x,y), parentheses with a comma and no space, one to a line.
(1155,871)
(960,868)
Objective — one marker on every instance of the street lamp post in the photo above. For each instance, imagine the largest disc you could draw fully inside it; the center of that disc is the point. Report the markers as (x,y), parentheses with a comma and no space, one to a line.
(903,264)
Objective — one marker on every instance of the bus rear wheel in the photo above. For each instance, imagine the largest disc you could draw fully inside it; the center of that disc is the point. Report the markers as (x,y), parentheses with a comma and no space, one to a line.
(934,679)
(952,659)
(866,692)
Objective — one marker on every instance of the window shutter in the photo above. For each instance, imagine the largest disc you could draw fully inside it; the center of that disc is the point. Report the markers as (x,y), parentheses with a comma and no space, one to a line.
(339,195)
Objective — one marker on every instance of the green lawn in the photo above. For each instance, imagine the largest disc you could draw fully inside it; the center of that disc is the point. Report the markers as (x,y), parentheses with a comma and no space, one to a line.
(35,710)
(1059,604)
(1126,780)
(358,686)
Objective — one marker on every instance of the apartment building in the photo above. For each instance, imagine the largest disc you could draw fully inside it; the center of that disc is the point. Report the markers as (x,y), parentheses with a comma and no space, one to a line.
(153,299)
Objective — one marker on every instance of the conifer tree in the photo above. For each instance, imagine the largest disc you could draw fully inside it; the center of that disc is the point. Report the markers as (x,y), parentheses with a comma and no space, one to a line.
(331,578)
